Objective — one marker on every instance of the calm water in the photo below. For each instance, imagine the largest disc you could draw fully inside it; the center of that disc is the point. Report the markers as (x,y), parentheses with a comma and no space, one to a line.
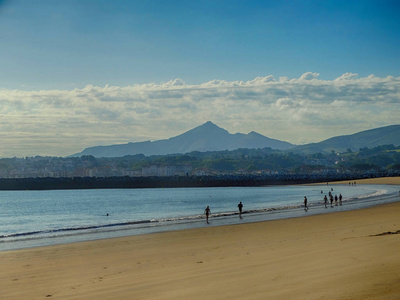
(35,218)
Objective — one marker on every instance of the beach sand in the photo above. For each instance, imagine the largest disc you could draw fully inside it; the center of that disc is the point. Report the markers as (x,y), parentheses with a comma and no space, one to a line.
(331,256)
(383,180)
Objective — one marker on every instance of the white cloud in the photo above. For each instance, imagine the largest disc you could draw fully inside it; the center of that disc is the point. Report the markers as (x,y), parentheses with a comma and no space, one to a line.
(286,103)
(62,122)
(309,76)
(347,76)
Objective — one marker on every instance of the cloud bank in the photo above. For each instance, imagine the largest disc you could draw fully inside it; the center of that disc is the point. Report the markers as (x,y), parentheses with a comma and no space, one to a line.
(298,110)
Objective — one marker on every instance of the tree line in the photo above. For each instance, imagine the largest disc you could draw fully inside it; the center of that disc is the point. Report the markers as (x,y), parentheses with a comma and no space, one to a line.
(241,161)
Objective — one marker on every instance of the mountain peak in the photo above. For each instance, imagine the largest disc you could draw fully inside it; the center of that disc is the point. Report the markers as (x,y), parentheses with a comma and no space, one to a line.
(207,127)
(206,137)
(253,133)
(209,124)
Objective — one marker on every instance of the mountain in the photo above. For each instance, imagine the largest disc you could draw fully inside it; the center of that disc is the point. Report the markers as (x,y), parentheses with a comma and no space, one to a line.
(370,138)
(210,137)
(206,137)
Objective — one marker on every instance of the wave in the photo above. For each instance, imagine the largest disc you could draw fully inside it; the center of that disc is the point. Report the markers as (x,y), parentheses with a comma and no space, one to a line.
(374,194)
(70,229)
(132,224)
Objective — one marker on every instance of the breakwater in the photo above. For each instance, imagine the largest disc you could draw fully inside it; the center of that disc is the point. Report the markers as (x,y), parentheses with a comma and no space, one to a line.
(121,182)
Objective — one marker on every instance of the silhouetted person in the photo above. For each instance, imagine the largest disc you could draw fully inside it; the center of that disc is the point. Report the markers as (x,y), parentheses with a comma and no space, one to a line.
(326,201)
(207,212)
(305,203)
(240,206)
(340,199)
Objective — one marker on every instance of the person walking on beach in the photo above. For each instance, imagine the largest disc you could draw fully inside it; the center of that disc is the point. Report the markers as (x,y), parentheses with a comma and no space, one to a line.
(326,200)
(340,199)
(207,212)
(305,203)
(331,199)
(240,206)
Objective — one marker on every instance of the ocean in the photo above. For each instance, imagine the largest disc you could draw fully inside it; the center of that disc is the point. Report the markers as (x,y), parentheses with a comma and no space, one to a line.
(40,218)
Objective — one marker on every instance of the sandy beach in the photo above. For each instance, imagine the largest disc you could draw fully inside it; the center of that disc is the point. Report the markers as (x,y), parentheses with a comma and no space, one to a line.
(341,255)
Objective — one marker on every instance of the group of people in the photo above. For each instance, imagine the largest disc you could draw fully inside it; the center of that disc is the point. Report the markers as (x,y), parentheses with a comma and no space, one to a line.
(207,211)
(331,199)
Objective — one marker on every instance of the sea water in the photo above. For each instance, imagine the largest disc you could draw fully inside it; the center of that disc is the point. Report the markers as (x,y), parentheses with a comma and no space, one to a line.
(37,218)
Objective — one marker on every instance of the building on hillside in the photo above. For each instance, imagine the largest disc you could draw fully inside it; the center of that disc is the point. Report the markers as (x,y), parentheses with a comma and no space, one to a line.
(159,170)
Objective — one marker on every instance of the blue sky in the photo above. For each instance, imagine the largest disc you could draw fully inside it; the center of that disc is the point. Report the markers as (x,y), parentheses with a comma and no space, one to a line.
(81,73)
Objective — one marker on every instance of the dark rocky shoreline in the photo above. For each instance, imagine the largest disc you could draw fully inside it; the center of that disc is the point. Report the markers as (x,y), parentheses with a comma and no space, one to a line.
(123,182)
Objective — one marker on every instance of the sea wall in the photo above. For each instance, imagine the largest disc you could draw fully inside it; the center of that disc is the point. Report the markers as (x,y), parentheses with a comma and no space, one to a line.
(168,182)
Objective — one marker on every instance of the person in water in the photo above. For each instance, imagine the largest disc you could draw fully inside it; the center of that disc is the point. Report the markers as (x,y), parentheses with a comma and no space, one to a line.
(207,212)
(240,206)
(305,203)
(325,200)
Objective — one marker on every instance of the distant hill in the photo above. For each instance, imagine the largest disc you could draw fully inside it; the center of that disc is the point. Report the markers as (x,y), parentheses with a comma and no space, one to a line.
(370,138)
(207,137)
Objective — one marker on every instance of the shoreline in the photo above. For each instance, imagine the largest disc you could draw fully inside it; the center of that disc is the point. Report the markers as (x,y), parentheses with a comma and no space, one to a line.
(119,228)
(341,255)
(382,180)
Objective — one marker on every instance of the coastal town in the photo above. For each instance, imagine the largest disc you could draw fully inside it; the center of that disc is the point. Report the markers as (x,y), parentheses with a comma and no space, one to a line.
(370,162)
(242,167)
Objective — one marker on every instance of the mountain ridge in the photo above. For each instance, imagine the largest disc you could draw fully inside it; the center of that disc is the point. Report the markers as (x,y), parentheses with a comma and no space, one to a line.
(206,137)
(368,138)
(210,137)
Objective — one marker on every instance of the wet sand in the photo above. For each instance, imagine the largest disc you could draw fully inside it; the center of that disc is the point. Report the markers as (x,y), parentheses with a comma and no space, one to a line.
(341,255)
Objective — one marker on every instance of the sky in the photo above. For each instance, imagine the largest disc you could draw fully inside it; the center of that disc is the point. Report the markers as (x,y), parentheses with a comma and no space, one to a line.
(82,73)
